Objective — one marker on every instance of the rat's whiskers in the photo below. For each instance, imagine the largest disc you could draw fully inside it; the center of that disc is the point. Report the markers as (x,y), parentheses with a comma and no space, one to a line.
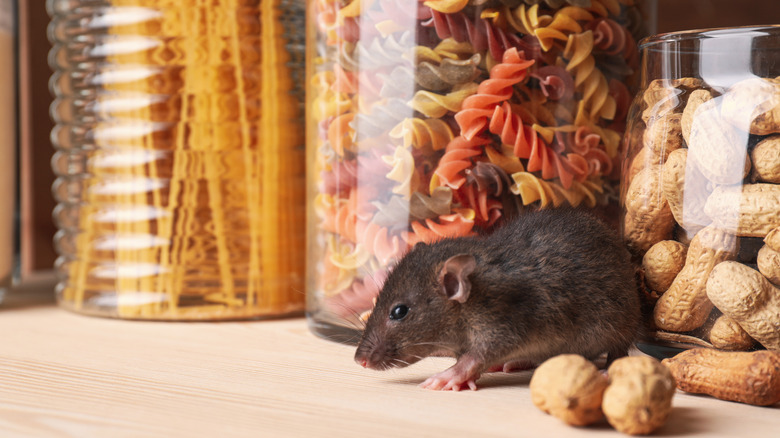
(440,345)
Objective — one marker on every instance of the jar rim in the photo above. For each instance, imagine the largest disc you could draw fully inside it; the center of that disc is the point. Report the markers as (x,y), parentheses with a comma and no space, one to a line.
(711,33)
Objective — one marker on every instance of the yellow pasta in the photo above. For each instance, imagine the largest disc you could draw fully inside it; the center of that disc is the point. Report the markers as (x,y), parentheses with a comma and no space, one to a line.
(342,279)
(446,6)
(505,159)
(551,193)
(437,105)
(449,48)
(548,28)
(389,27)
(402,172)
(420,133)
(322,204)
(328,102)
(564,22)
(347,257)
(588,79)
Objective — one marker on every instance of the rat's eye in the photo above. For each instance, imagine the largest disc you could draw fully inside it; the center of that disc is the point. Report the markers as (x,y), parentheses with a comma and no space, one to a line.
(399,312)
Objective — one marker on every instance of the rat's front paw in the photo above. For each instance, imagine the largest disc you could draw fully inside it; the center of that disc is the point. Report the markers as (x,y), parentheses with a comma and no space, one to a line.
(463,374)
(449,380)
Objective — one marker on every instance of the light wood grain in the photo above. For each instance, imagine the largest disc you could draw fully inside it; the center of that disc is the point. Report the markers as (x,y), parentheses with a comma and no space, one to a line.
(66,375)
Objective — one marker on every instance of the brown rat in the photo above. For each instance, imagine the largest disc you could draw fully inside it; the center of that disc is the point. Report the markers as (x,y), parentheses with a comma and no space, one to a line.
(547,283)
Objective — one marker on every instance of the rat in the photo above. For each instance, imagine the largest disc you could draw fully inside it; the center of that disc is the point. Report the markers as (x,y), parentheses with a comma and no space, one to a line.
(548,282)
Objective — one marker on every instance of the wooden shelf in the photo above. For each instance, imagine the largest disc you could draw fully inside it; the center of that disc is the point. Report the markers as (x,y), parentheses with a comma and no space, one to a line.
(63,374)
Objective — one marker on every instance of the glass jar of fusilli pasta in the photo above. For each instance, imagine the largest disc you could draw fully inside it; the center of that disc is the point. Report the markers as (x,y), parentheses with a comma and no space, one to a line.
(701,188)
(179,157)
(428,119)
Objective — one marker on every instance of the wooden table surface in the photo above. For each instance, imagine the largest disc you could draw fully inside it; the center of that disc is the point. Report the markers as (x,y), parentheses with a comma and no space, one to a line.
(67,375)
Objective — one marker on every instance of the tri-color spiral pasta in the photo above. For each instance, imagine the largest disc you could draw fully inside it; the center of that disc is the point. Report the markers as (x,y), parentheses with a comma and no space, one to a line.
(483,35)
(451,225)
(436,118)
(486,186)
(421,133)
(476,110)
(402,172)
(446,6)
(588,79)
(437,105)
(533,189)
(457,158)
(345,221)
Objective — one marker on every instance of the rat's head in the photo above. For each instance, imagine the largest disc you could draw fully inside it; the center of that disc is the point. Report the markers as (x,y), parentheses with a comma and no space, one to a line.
(416,312)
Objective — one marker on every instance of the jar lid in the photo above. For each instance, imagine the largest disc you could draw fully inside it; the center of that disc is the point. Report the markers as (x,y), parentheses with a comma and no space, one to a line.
(721,57)
(730,34)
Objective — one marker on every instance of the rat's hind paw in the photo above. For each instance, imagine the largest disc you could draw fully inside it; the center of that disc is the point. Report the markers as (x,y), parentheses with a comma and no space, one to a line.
(512,366)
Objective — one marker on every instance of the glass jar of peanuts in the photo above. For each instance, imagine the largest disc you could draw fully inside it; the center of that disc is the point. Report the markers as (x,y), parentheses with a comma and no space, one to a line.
(179,157)
(430,119)
(701,188)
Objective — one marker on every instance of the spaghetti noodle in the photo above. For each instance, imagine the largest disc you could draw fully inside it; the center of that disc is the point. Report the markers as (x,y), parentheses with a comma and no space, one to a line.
(192,204)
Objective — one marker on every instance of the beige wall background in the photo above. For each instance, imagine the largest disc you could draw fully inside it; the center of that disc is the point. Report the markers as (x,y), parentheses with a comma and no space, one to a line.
(37,202)
(674,15)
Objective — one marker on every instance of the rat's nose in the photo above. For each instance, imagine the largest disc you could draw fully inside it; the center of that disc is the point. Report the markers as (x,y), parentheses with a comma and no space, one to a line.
(361,358)
(363,361)
(370,355)
(370,360)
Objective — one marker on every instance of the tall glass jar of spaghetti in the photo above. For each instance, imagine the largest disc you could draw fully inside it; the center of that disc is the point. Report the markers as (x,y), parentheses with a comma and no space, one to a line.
(444,118)
(179,156)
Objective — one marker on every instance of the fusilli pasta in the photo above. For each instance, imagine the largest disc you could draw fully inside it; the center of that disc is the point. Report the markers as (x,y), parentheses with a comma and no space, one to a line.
(437,105)
(459,114)
(456,159)
(446,6)
(451,225)
(422,133)
(482,34)
(532,189)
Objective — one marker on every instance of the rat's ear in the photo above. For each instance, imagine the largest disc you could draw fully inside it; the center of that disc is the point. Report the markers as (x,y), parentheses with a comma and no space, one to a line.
(453,278)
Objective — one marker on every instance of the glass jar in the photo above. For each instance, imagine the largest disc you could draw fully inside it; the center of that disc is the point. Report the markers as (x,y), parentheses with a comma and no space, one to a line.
(701,187)
(179,158)
(7,143)
(445,118)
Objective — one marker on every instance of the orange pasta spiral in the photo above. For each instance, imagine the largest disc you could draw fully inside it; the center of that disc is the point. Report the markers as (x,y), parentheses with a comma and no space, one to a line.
(490,107)
(451,225)
(344,220)
(476,109)
(527,144)
(457,158)
(487,209)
